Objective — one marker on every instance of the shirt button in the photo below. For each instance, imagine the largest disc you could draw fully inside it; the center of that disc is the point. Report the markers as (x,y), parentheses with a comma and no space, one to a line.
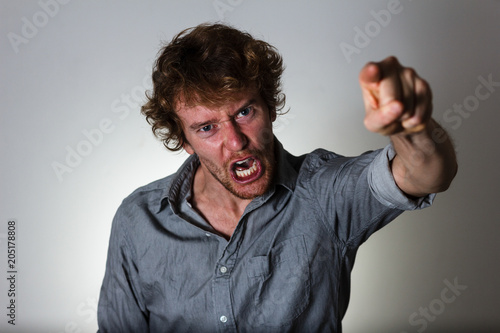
(223,319)
(223,270)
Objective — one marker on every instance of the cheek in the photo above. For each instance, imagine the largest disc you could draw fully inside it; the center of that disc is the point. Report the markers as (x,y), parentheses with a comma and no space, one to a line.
(212,153)
(201,147)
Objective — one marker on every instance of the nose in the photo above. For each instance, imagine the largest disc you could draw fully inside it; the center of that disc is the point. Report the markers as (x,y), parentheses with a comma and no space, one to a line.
(234,140)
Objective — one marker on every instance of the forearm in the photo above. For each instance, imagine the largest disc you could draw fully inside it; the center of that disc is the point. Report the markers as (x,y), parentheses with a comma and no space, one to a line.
(425,161)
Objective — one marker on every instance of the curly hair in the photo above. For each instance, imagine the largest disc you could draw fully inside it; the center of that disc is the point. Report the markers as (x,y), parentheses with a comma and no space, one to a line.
(208,65)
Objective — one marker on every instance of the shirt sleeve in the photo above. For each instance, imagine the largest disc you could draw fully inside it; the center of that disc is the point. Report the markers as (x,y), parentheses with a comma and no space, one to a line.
(384,187)
(119,308)
(357,195)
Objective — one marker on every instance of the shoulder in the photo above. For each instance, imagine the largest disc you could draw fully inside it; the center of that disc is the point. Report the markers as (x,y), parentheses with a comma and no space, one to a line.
(322,160)
(143,201)
(154,194)
(136,212)
(150,193)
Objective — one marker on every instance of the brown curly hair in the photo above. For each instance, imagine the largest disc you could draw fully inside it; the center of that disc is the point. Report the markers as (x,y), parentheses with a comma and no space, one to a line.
(208,65)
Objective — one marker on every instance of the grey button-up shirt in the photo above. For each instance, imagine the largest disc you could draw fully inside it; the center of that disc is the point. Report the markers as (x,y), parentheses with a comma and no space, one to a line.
(286,267)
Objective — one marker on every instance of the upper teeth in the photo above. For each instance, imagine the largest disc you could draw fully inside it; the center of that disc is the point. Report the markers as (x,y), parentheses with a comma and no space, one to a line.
(243,161)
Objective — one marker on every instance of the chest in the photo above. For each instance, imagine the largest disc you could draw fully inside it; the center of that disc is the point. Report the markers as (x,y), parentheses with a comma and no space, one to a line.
(263,277)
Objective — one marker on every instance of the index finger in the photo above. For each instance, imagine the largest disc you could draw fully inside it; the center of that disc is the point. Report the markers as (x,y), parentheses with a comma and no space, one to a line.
(369,79)
(390,88)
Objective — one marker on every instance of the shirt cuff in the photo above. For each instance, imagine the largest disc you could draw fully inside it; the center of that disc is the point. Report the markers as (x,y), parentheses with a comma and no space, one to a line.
(383,185)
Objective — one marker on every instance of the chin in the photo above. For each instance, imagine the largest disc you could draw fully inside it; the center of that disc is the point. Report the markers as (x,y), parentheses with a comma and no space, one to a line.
(253,190)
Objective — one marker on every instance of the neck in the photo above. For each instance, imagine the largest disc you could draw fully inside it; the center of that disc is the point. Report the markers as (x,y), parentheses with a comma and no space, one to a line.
(209,195)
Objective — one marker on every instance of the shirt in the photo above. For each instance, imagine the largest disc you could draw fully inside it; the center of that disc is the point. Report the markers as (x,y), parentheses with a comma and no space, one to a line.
(286,268)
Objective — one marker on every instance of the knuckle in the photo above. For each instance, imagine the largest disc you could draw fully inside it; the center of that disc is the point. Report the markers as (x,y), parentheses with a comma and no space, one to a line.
(424,83)
(424,87)
(409,72)
(392,59)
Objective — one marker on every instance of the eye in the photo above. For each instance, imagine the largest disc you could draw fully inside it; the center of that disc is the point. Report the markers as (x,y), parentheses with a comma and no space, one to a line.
(245,112)
(207,131)
(206,128)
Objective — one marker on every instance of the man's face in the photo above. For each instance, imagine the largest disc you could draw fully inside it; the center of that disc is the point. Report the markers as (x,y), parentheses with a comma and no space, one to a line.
(234,143)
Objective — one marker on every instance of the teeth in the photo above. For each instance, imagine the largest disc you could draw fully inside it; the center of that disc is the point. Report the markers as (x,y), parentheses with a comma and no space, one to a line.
(247,172)
(242,162)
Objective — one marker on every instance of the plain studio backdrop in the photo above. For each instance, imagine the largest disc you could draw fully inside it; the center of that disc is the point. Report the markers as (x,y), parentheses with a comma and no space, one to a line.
(73,145)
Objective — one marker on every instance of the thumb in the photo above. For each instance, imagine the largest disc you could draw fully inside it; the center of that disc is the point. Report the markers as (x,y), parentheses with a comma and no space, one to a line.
(383,120)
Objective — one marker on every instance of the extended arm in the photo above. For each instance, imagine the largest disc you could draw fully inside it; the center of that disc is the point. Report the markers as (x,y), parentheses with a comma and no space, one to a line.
(398,103)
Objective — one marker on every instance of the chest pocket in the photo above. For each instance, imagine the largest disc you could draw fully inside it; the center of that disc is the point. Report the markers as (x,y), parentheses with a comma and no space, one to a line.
(281,283)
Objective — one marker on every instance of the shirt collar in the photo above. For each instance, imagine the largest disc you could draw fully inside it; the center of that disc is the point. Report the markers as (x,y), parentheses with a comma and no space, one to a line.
(180,186)
(286,173)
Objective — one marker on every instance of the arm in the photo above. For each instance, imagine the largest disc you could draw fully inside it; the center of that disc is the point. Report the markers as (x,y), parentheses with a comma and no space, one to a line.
(398,103)
(119,308)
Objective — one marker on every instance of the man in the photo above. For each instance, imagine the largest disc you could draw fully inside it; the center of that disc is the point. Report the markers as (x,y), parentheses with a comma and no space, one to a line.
(246,237)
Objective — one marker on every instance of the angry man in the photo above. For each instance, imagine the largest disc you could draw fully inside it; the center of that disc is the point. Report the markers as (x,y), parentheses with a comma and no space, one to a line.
(245,237)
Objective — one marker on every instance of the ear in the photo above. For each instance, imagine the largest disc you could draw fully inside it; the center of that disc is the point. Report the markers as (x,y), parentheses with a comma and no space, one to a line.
(272,115)
(187,147)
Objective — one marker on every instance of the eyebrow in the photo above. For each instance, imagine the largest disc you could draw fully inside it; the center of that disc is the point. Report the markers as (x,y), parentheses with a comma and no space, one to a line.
(201,124)
(195,126)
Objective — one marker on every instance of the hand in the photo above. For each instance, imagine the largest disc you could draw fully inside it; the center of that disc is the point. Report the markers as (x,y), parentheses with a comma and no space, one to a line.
(396,99)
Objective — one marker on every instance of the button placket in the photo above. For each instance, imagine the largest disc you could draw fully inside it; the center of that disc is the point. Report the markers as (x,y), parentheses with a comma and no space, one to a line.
(222,288)
(222,301)
(222,282)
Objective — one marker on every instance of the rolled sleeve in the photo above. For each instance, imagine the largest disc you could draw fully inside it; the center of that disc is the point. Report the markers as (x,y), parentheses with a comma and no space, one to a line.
(384,187)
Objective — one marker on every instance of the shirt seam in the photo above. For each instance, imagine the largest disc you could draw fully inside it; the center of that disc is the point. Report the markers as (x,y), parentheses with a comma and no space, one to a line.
(333,234)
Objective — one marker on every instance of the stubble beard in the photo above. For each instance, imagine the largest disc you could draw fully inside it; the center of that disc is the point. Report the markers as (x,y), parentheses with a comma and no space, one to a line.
(251,190)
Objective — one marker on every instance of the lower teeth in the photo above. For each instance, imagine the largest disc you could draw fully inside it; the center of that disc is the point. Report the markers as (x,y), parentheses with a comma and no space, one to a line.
(247,172)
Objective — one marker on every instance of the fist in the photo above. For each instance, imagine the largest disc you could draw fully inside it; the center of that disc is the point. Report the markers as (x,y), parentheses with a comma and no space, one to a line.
(396,99)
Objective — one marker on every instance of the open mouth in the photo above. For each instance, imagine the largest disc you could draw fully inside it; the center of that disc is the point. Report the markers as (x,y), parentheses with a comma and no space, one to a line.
(246,170)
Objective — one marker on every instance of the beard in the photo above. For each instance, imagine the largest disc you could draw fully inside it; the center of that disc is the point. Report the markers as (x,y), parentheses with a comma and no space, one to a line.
(251,190)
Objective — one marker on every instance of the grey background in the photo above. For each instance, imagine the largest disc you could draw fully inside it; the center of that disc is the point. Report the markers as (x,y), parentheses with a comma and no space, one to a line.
(84,65)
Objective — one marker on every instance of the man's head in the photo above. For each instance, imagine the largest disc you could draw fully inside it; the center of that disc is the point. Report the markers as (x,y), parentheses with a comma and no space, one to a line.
(216,92)
(209,65)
